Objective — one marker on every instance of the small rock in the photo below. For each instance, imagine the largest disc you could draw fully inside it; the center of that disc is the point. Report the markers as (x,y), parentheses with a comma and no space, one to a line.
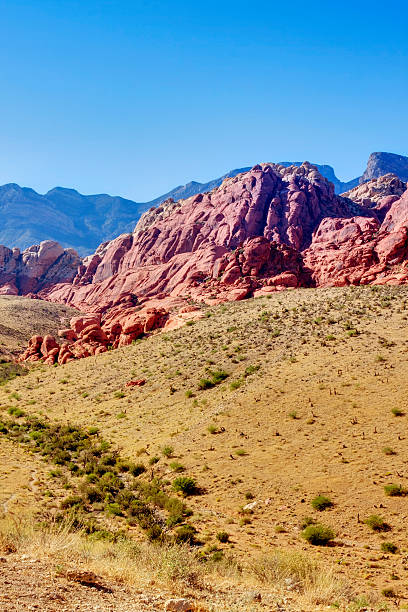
(178,605)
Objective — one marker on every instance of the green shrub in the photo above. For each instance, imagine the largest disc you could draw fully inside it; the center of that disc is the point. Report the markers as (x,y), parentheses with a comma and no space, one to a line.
(176,466)
(168,451)
(321,503)
(185,485)
(388,451)
(185,534)
(137,468)
(377,523)
(212,429)
(223,537)
(70,502)
(306,521)
(397,412)
(393,490)
(388,592)
(205,383)
(389,547)
(154,533)
(318,535)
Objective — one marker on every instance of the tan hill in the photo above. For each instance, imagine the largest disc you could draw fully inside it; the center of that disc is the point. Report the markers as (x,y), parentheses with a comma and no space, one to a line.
(21,317)
(270,402)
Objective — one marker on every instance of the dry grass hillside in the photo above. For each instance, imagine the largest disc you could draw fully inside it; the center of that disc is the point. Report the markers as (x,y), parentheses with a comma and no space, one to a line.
(21,317)
(269,402)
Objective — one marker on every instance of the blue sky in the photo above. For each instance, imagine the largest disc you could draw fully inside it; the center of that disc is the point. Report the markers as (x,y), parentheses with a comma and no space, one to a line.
(135,97)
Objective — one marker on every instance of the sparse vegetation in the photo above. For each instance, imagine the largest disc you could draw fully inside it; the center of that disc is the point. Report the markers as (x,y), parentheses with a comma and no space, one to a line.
(318,535)
(377,523)
(321,502)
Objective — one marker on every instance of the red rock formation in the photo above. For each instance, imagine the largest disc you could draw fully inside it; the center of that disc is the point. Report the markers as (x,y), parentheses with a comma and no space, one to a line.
(360,250)
(268,229)
(37,267)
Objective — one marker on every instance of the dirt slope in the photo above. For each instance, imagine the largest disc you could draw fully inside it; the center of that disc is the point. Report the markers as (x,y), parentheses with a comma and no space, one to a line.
(306,409)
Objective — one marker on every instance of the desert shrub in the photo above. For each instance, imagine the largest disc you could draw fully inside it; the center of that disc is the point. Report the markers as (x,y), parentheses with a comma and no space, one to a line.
(223,537)
(393,490)
(114,508)
(154,533)
(306,521)
(70,502)
(185,534)
(251,369)
(176,466)
(388,592)
(397,412)
(119,394)
(15,411)
(377,523)
(137,468)
(318,534)
(388,451)
(321,503)
(189,393)
(212,429)
(389,547)
(167,451)
(185,485)
(205,383)
(218,376)
(241,452)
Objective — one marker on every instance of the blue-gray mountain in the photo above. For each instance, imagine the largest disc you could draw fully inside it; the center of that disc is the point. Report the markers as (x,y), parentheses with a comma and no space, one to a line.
(85,221)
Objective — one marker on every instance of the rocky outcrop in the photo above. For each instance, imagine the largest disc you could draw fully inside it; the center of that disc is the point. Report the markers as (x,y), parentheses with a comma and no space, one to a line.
(179,247)
(89,335)
(378,194)
(384,163)
(269,229)
(36,268)
(361,250)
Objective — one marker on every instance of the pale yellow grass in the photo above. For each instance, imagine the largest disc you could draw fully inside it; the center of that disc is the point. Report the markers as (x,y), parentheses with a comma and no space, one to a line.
(284,575)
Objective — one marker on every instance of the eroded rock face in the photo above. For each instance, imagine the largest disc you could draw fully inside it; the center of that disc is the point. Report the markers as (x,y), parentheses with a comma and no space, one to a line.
(361,250)
(36,268)
(178,246)
(378,194)
(269,229)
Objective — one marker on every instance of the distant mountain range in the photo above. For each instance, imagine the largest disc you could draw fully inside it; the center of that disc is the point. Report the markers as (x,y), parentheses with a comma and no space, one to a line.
(85,221)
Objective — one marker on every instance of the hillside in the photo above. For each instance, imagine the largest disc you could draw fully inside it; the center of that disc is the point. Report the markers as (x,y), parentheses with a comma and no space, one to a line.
(21,317)
(306,396)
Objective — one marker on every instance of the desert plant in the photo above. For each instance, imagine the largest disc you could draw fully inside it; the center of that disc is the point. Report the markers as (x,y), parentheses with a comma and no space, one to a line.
(176,466)
(167,451)
(397,412)
(318,534)
(393,490)
(223,537)
(377,523)
(321,503)
(185,485)
(389,547)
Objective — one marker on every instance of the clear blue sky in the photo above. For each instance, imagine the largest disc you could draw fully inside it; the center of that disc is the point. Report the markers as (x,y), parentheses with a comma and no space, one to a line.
(135,97)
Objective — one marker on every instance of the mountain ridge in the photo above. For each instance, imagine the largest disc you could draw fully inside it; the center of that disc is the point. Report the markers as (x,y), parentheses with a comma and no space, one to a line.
(83,222)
